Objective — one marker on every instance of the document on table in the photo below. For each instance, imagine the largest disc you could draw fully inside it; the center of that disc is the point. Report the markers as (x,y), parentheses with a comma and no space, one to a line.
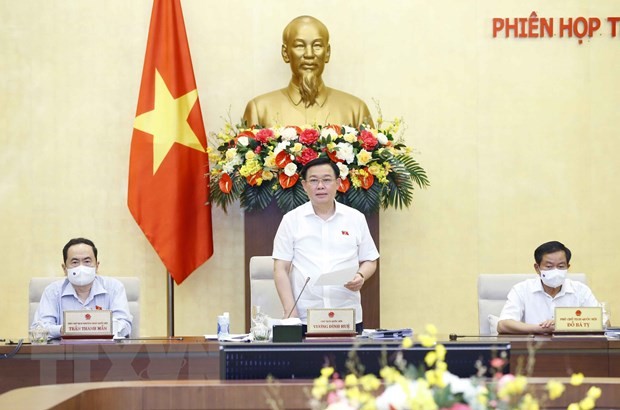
(337,277)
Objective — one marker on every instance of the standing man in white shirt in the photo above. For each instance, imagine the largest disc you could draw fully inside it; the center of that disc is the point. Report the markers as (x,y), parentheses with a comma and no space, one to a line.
(322,236)
(83,289)
(531,304)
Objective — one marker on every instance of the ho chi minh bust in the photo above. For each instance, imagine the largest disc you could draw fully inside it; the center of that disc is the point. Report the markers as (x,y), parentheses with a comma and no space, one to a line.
(306,100)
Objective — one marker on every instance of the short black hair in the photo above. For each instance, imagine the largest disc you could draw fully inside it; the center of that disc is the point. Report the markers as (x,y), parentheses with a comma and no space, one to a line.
(77,241)
(320,161)
(551,247)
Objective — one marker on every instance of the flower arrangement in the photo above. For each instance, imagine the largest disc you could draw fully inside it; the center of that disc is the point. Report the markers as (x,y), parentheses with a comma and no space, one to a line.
(256,165)
(434,387)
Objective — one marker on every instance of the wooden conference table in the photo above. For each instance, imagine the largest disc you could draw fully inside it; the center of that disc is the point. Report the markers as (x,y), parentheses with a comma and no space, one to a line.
(193,358)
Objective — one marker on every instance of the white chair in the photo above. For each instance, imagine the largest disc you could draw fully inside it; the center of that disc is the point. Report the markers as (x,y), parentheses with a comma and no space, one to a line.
(493,291)
(263,291)
(132,288)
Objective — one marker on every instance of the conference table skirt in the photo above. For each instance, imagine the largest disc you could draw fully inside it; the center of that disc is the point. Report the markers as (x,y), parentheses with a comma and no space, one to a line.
(193,358)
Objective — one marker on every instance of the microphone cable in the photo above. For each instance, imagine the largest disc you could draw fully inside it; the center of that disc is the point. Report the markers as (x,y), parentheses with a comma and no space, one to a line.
(20,342)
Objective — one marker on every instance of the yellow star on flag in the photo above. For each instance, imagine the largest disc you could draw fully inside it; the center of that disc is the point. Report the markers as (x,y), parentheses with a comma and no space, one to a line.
(167,122)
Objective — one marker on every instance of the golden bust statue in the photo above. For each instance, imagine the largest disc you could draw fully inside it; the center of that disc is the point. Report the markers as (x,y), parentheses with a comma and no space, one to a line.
(306,100)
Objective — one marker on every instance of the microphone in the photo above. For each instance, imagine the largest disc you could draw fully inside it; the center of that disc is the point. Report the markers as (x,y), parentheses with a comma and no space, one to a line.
(298,296)
(454,336)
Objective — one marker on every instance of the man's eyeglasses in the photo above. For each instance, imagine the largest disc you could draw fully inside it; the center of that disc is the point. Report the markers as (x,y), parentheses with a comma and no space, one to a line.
(325,181)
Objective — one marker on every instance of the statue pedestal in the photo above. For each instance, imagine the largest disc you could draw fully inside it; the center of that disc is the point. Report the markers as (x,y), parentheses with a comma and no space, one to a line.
(259,231)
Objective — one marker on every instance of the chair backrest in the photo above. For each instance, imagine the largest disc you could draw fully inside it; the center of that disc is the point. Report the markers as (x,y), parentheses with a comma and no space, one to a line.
(493,291)
(263,291)
(132,288)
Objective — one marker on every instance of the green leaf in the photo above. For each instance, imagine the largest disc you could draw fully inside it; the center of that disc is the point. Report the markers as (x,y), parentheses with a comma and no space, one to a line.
(398,192)
(366,201)
(290,198)
(221,199)
(417,173)
(258,197)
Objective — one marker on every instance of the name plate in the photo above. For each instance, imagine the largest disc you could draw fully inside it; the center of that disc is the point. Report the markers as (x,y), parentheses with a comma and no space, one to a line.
(578,319)
(87,324)
(331,322)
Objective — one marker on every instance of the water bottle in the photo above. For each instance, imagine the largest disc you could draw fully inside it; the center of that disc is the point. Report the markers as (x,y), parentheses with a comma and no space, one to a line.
(223,326)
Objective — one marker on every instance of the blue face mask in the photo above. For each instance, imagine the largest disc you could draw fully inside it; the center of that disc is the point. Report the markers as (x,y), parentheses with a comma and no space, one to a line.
(553,278)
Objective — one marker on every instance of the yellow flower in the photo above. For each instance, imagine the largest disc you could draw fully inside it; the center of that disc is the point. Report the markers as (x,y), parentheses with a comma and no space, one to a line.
(555,389)
(529,403)
(390,375)
(430,358)
(350,138)
(327,371)
(431,329)
(441,352)
(370,382)
(297,148)
(587,403)
(573,406)
(353,393)
(427,340)
(576,379)
(250,155)
(350,380)
(267,175)
(231,154)
(270,160)
(594,392)
(363,157)
(407,342)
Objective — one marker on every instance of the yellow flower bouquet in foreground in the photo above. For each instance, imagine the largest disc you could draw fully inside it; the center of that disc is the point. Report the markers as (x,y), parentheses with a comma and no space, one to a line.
(256,165)
(432,387)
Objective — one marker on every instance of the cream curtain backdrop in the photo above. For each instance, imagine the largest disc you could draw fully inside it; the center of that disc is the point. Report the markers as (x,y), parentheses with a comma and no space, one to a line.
(519,138)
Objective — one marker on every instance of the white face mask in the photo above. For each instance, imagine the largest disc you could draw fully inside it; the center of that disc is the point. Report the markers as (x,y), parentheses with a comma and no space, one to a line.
(554,277)
(81,275)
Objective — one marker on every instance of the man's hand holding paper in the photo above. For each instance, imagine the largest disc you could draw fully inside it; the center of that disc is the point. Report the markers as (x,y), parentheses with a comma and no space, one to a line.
(342,277)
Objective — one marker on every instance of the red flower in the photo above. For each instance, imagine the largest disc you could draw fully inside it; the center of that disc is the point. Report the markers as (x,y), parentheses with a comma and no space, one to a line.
(333,156)
(369,142)
(253,179)
(286,181)
(263,135)
(225,184)
(367,180)
(283,159)
(344,185)
(309,136)
(248,134)
(258,149)
(307,155)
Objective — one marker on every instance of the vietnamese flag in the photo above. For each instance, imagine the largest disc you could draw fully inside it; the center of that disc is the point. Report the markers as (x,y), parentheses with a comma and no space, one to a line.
(168,165)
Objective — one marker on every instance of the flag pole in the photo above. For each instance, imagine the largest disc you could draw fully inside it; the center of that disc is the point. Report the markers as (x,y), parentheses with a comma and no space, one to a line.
(170,305)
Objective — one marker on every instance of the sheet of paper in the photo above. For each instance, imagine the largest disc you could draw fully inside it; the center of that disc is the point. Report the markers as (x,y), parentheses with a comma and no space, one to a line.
(337,277)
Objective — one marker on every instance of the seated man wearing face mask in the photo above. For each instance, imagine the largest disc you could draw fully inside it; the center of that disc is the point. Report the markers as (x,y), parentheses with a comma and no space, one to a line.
(83,289)
(531,304)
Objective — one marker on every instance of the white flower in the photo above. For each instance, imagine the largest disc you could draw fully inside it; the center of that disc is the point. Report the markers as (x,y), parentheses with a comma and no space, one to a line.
(394,397)
(281,145)
(328,132)
(344,170)
(290,169)
(344,151)
(243,141)
(289,134)
(231,153)
(350,130)
(382,138)
(228,168)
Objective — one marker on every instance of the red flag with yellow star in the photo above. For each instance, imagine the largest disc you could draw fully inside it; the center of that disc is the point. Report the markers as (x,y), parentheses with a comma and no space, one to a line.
(168,165)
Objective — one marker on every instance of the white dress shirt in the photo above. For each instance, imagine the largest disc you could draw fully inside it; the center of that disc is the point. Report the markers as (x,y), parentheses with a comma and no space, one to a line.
(316,246)
(106,293)
(529,303)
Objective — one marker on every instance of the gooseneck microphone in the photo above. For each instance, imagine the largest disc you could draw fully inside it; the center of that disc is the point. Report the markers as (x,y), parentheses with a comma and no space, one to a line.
(298,296)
